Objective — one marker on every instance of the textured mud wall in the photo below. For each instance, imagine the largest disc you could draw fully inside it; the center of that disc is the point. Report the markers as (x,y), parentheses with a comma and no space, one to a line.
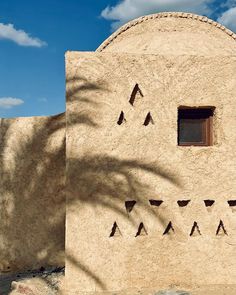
(113,243)
(32,201)
(172,33)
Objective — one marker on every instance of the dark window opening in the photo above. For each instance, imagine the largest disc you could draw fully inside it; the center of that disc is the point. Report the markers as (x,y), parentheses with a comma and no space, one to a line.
(195,126)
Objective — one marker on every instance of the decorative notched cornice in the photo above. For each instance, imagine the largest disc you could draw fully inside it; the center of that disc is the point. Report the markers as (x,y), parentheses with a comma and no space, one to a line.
(142,19)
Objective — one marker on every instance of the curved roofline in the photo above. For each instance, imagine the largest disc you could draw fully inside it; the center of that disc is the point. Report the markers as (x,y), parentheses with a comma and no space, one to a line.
(142,19)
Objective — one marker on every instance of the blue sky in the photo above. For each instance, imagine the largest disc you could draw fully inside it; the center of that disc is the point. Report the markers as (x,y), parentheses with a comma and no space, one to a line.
(34,36)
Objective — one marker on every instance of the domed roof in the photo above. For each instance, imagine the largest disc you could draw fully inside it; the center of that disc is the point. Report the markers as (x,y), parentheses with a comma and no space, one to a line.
(172,33)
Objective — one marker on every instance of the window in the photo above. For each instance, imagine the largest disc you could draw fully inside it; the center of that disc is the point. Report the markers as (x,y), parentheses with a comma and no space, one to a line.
(195,126)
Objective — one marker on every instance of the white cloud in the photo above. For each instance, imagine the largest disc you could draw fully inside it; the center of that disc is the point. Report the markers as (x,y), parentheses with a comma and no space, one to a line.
(20,37)
(228,19)
(130,9)
(9,102)
(229,4)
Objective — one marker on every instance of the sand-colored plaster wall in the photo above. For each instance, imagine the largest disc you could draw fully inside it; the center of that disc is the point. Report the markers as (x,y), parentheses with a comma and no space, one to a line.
(108,164)
(32,200)
(172,33)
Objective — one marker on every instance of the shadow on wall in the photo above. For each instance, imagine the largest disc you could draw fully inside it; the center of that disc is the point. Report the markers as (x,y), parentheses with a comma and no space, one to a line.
(102,180)
(32,181)
(75,86)
(32,184)
(32,192)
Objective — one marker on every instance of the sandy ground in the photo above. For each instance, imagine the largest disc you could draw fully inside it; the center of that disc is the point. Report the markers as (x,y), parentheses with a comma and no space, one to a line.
(197,290)
(51,282)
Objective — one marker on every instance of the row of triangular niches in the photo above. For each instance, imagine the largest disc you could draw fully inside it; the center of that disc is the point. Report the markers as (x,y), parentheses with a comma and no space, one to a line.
(129,205)
(195,230)
(148,119)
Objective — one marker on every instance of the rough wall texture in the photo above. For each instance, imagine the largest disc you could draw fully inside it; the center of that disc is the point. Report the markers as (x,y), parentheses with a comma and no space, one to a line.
(172,33)
(109,164)
(32,202)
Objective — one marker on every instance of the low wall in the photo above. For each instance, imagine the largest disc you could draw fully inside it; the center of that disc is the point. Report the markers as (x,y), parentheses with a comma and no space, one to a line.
(32,200)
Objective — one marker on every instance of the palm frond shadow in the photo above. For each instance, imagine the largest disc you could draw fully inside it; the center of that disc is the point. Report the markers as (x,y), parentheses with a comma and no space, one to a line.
(75,87)
(34,228)
(85,269)
(37,180)
(105,181)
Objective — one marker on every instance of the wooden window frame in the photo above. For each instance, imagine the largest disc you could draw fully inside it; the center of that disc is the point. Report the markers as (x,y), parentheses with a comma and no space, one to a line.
(207,125)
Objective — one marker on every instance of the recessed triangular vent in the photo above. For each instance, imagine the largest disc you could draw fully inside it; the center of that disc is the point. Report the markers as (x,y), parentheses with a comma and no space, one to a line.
(156,203)
(135,94)
(169,229)
(115,231)
(195,231)
(209,203)
(221,229)
(129,205)
(148,120)
(232,203)
(141,230)
(183,203)
(121,118)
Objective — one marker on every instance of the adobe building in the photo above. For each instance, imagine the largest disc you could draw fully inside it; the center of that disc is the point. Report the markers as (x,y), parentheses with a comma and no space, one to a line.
(151,177)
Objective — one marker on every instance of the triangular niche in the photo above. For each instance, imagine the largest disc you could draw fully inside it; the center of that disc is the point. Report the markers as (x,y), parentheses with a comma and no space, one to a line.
(232,203)
(156,203)
(195,231)
(209,203)
(129,205)
(183,203)
(121,118)
(169,229)
(148,120)
(221,231)
(115,231)
(141,230)
(136,93)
